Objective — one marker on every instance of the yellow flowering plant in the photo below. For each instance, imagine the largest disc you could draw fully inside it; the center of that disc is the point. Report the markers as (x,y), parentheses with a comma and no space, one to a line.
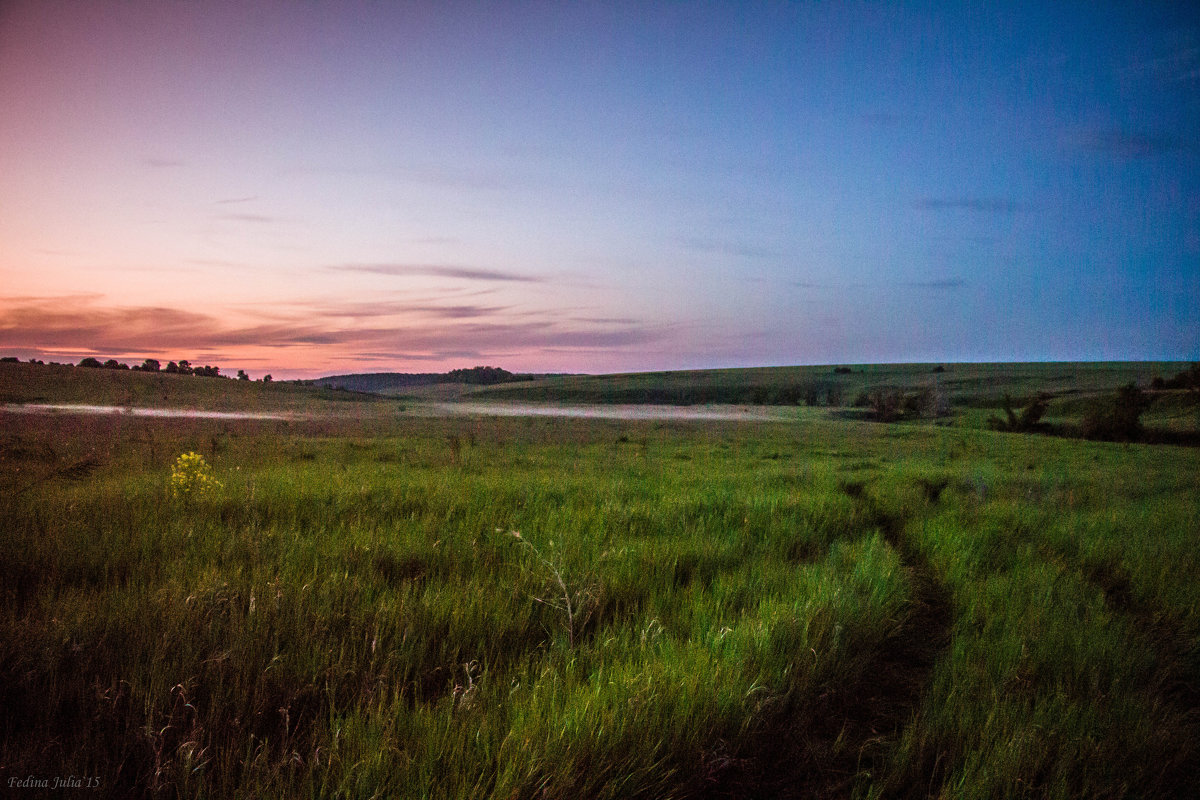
(192,477)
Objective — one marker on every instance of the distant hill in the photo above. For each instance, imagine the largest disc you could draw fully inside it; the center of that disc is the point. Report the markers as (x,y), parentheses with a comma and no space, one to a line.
(965,385)
(24,382)
(385,382)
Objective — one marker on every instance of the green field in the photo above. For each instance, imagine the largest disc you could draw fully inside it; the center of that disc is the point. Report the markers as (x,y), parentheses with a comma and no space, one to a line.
(966,384)
(369,602)
(46,383)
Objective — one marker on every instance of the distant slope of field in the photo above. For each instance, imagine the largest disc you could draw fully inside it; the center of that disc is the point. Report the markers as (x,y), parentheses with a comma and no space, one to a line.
(967,395)
(975,385)
(380,382)
(52,383)
(394,383)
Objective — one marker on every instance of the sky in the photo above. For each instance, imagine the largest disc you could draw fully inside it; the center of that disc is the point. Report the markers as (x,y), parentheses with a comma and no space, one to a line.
(310,188)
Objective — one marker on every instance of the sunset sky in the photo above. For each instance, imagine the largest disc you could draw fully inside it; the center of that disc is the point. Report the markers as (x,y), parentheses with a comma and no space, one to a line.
(306,188)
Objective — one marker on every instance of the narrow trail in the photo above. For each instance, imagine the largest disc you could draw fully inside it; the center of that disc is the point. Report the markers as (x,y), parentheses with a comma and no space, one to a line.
(1177,682)
(827,744)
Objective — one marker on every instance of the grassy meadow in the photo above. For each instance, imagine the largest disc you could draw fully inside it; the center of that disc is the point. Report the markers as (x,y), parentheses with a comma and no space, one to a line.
(368,603)
(968,385)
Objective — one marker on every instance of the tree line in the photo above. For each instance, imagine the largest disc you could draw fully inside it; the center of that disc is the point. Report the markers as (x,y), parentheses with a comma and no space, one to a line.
(181,367)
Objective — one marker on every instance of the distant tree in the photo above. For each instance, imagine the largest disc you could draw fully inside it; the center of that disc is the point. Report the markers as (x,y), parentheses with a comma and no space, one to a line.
(1118,417)
(10,360)
(842,370)
(184,367)
(91,363)
(112,363)
(1028,421)
(833,395)
(914,404)
(886,404)
(150,365)
(266,378)
(789,395)
(1187,379)
(242,376)
(481,376)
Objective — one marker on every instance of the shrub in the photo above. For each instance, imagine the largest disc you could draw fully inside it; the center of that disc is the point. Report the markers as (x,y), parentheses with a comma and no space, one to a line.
(885,404)
(1187,379)
(1117,418)
(1029,420)
(927,403)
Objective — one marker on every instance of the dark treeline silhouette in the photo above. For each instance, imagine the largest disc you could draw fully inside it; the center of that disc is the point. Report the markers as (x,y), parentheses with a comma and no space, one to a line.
(484,376)
(181,367)
(374,382)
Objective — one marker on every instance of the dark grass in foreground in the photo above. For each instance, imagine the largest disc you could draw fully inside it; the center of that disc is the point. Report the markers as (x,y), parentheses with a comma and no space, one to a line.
(825,608)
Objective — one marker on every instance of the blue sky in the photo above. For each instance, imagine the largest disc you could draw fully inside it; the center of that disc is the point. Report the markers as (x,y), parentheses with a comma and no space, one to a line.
(304,188)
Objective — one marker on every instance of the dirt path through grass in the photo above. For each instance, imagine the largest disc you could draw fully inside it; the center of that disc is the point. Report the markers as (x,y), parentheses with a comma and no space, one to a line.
(845,735)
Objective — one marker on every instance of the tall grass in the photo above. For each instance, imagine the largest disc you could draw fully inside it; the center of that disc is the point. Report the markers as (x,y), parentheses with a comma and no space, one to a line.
(687,611)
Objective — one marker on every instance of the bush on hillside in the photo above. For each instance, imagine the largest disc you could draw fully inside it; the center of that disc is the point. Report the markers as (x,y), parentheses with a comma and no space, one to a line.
(1116,418)
(1187,379)
(1028,421)
(886,404)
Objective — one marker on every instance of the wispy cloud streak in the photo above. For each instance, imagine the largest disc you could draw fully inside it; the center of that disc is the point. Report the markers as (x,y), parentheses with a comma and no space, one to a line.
(394,331)
(942,284)
(438,271)
(1134,144)
(987,205)
(255,218)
